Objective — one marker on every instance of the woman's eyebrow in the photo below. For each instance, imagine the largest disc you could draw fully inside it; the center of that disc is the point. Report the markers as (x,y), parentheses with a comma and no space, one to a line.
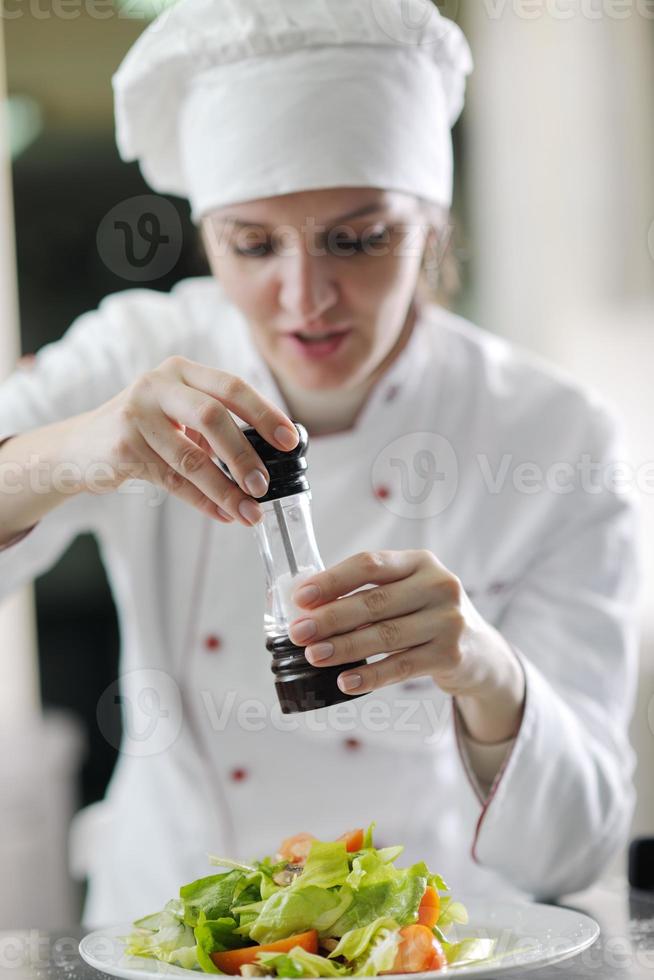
(359,212)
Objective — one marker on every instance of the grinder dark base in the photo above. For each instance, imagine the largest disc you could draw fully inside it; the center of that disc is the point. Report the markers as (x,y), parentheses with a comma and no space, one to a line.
(299,685)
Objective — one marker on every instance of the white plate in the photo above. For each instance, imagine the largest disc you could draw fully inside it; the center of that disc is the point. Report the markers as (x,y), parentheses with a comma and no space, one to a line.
(528,936)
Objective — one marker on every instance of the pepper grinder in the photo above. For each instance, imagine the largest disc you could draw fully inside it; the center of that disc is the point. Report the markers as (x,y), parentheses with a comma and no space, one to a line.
(287,545)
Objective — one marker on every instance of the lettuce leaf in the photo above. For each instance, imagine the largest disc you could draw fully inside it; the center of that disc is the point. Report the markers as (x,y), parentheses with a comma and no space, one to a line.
(380,957)
(451,913)
(382,890)
(186,957)
(354,943)
(159,936)
(326,866)
(258,875)
(265,871)
(156,921)
(369,865)
(212,896)
(221,862)
(371,949)
(299,963)
(438,883)
(246,923)
(468,951)
(250,908)
(388,854)
(292,910)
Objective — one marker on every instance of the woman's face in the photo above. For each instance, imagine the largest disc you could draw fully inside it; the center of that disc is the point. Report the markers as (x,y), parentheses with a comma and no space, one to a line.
(341,261)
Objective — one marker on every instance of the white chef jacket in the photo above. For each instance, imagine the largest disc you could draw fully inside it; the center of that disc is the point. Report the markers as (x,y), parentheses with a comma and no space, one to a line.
(208,763)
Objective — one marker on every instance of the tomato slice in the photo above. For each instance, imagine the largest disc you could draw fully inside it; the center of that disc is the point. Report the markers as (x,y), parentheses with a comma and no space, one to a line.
(296,848)
(419,950)
(430,907)
(439,959)
(232,960)
(353,839)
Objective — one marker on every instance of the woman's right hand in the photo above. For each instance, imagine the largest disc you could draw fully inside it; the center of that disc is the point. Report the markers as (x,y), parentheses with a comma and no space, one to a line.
(165,427)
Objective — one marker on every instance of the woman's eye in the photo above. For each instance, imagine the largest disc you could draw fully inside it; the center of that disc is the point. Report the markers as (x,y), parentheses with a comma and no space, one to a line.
(341,247)
(253,251)
(360,246)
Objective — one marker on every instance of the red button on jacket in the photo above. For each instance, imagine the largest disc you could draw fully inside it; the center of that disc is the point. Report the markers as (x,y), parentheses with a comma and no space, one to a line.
(212,642)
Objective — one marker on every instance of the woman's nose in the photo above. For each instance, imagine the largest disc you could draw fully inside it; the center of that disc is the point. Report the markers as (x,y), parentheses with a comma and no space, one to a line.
(306,289)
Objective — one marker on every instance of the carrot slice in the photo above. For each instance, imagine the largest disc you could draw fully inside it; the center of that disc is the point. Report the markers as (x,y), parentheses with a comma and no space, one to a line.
(353,839)
(232,960)
(430,907)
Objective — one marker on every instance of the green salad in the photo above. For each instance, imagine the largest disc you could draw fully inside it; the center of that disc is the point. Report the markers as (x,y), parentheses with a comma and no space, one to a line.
(314,909)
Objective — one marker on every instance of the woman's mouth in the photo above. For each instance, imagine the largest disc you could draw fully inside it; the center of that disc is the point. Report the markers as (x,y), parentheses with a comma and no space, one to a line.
(315,346)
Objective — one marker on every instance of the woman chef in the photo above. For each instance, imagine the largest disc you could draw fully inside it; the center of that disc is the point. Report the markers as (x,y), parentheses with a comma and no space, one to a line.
(460,488)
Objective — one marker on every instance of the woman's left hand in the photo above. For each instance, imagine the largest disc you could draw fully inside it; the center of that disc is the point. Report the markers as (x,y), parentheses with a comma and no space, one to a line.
(419,616)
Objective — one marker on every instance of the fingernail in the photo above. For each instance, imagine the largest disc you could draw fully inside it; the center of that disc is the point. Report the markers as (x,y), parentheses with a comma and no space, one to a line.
(256,483)
(286,437)
(321,651)
(308,593)
(349,682)
(303,630)
(250,511)
(223,513)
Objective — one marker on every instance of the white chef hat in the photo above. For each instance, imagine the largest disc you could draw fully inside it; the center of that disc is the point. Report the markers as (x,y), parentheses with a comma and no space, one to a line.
(224,101)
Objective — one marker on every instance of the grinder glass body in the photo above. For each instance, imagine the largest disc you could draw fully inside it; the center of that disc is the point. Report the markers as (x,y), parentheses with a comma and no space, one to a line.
(288,549)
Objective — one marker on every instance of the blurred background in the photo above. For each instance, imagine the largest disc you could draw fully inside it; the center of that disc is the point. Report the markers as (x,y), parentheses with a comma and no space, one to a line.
(555,245)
